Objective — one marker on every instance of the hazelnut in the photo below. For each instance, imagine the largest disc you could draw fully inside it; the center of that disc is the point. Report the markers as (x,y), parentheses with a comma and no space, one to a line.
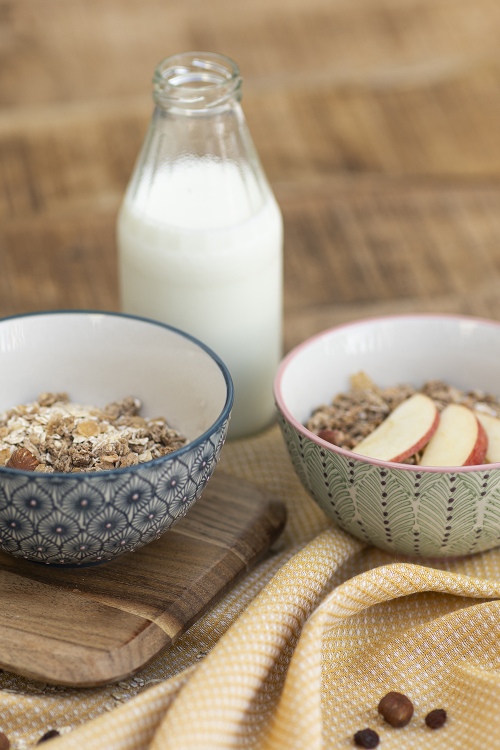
(366,738)
(48,736)
(396,709)
(436,718)
(23,459)
(4,742)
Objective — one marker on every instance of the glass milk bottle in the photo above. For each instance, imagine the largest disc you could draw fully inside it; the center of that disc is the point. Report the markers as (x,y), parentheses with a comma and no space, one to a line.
(200,234)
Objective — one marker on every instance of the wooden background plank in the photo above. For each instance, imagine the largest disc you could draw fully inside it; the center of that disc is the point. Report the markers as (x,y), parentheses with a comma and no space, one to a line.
(376,120)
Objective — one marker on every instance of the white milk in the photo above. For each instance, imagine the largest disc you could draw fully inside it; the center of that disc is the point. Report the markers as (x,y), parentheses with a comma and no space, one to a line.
(201,250)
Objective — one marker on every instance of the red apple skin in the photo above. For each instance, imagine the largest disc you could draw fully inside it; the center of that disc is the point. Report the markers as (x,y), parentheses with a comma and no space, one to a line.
(421,443)
(478,453)
(491,426)
(473,430)
(379,439)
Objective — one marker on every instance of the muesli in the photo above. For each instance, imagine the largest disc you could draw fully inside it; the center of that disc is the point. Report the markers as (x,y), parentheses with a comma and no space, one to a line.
(55,434)
(355,415)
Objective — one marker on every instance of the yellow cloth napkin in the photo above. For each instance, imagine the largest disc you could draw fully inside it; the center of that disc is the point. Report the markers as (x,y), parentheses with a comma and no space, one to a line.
(300,652)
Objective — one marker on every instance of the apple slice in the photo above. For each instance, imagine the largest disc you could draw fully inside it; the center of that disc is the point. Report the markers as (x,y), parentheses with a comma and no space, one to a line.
(405,431)
(460,439)
(492,428)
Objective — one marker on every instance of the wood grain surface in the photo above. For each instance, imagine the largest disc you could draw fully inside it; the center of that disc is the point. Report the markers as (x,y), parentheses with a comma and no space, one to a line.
(99,624)
(377,122)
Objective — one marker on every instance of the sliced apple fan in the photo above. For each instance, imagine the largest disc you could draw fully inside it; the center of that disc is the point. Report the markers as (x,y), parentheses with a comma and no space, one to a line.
(430,432)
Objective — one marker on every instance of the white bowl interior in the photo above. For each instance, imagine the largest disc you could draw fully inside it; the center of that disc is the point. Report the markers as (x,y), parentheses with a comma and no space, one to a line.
(462,351)
(98,358)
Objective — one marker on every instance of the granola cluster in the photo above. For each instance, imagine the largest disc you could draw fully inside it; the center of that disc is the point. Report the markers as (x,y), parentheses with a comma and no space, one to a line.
(60,435)
(355,414)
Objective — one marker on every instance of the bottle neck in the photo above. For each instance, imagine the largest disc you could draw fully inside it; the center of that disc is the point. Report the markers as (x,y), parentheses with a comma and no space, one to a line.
(196,83)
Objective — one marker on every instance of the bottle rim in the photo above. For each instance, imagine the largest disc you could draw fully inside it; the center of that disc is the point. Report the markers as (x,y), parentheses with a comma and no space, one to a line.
(196,81)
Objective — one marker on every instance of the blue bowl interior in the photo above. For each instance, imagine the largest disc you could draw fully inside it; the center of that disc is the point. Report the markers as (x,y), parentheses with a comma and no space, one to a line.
(101,357)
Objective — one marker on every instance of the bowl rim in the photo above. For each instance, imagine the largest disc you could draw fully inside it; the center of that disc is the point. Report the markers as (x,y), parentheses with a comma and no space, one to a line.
(300,428)
(224,414)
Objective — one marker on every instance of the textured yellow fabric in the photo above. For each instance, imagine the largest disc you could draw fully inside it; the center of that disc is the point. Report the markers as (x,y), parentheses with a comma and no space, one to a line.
(300,652)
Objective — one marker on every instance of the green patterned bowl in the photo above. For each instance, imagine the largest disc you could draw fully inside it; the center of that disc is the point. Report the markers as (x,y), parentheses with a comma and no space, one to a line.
(401,508)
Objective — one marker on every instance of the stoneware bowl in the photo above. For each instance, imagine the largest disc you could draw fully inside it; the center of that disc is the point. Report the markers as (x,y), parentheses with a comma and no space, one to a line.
(97,358)
(413,510)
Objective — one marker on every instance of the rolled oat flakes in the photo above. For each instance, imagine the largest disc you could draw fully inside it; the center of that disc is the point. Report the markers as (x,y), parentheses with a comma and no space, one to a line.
(70,437)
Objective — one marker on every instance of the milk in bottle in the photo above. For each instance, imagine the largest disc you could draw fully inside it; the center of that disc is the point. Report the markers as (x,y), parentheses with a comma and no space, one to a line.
(200,233)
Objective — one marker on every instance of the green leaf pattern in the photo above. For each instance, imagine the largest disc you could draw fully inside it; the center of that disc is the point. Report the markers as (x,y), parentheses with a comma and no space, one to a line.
(414,513)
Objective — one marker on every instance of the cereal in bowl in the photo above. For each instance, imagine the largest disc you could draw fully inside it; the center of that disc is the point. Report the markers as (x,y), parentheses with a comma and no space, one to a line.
(54,434)
(436,425)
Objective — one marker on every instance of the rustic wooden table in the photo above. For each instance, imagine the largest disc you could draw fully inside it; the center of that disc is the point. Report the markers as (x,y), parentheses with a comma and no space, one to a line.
(377,121)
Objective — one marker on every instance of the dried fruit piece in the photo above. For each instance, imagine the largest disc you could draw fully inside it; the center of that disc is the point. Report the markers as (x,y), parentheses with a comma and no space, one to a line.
(396,708)
(87,428)
(362,381)
(366,738)
(436,718)
(335,437)
(23,459)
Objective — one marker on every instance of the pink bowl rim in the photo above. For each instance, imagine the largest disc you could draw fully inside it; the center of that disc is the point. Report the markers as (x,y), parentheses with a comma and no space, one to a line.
(300,428)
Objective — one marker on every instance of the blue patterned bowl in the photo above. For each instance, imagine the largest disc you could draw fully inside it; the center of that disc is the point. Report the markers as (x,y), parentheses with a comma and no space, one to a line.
(413,510)
(86,518)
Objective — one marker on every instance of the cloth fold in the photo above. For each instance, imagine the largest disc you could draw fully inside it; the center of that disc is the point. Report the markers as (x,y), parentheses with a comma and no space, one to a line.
(300,652)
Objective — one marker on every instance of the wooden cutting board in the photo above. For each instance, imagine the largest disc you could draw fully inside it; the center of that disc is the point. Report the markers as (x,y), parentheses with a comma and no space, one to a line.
(90,626)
